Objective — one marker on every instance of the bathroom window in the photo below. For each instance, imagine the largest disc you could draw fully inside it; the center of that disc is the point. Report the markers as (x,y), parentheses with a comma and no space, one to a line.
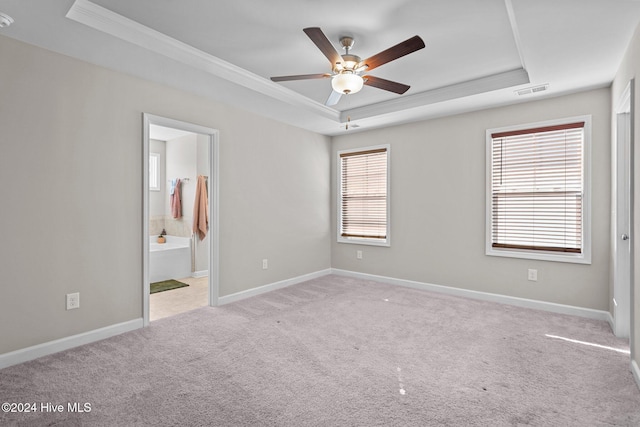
(154,171)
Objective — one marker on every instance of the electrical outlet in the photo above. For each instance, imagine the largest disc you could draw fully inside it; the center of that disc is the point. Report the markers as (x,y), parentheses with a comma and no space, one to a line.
(532,275)
(73,301)
(265,264)
(359,254)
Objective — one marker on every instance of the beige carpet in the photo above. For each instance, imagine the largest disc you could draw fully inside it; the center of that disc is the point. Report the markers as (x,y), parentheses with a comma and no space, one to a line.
(340,352)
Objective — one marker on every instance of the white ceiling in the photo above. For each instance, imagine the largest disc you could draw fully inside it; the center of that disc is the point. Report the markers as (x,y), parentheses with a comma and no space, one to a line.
(477,52)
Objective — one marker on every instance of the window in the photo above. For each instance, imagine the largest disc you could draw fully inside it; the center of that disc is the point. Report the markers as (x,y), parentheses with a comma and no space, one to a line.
(363,196)
(537,191)
(154,171)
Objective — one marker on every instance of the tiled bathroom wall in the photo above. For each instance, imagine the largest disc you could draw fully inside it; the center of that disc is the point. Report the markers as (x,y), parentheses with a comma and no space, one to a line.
(174,227)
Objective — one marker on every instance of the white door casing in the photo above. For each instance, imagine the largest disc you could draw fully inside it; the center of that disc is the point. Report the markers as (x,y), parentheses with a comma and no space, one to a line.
(214,170)
(621,219)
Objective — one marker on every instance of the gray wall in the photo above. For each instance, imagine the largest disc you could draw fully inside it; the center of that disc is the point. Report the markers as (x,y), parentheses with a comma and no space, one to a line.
(629,69)
(71,168)
(438,206)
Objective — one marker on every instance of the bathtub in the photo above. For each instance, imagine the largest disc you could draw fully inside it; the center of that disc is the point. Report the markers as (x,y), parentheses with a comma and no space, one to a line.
(170,260)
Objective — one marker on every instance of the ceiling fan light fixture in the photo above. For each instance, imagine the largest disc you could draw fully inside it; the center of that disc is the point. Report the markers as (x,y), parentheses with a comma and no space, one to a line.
(360,68)
(350,61)
(347,83)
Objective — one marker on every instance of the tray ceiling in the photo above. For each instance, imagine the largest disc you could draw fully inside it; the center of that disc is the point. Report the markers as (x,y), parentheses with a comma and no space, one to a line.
(477,54)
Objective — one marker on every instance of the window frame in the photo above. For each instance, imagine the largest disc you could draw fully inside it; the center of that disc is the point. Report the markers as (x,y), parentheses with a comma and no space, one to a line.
(371,241)
(154,171)
(536,254)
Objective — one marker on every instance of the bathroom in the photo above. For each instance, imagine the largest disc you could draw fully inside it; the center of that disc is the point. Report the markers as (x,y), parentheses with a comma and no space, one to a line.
(176,253)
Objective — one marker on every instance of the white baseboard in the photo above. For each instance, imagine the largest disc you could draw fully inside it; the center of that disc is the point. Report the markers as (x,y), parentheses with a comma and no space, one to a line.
(44,349)
(484,296)
(636,372)
(199,274)
(271,287)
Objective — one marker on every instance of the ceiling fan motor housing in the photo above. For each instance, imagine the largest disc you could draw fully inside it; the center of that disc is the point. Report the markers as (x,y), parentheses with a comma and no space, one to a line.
(349,63)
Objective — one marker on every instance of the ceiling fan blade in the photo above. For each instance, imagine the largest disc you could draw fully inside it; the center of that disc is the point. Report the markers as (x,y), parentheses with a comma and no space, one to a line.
(333,99)
(300,77)
(401,49)
(317,36)
(385,84)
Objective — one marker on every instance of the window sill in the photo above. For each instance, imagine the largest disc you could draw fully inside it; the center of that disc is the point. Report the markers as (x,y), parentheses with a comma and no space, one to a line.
(583,258)
(366,242)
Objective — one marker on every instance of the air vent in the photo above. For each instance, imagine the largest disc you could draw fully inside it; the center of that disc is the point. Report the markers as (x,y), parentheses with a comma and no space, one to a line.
(532,89)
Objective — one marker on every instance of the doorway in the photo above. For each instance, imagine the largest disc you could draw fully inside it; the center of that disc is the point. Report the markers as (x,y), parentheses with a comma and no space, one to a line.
(622,215)
(191,156)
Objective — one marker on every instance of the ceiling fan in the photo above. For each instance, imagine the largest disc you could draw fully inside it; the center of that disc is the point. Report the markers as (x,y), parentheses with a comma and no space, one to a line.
(348,71)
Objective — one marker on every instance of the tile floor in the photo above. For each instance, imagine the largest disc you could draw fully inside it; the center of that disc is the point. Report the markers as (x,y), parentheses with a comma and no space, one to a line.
(169,303)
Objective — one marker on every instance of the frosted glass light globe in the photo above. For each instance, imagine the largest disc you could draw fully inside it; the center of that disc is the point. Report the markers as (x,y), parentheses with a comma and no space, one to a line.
(347,83)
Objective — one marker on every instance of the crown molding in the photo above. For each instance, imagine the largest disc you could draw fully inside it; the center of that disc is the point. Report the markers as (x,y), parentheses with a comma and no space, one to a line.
(106,21)
(516,31)
(459,90)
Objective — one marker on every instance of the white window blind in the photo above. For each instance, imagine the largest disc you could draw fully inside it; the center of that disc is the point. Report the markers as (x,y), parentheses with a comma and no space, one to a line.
(537,188)
(363,194)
